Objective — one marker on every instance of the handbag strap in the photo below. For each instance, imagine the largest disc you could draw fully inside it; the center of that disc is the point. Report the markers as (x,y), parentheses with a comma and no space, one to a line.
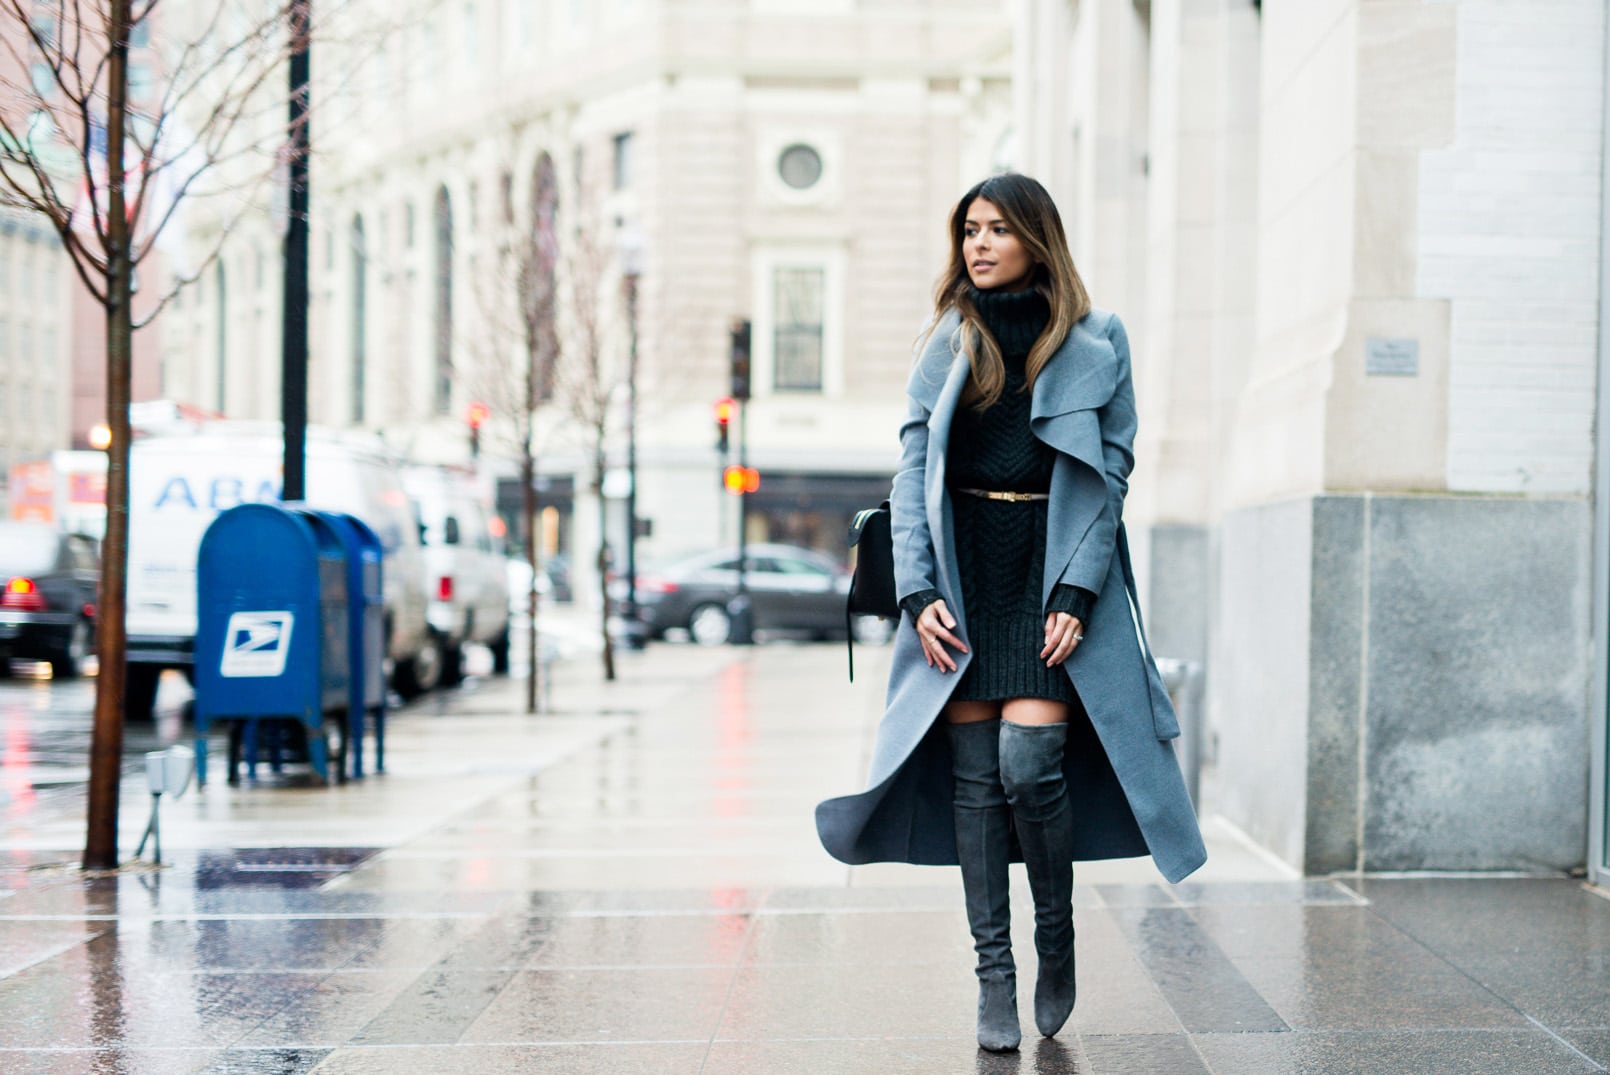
(849,638)
(1134,596)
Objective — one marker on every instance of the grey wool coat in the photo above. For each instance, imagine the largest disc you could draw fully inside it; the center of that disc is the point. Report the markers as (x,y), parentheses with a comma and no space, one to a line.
(1128,796)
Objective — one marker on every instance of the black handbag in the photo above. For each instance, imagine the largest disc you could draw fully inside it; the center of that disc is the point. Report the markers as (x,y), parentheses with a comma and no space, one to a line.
(872,585)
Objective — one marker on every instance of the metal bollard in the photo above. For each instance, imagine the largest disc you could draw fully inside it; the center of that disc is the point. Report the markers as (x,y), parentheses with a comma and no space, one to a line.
(1185,681)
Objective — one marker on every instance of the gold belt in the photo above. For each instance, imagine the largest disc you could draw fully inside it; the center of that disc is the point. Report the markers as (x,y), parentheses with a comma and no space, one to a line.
(990,494)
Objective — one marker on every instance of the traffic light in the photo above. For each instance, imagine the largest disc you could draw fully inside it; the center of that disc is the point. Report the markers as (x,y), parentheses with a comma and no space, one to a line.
(476,416)
(740,480)
(723,408)
(740,360)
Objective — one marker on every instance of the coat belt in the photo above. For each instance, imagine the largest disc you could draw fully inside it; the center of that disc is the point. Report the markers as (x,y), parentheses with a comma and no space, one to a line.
(990,494)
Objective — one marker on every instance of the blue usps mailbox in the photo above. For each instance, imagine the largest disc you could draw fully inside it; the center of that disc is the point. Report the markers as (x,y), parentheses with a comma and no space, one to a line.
(271,627)
(366,635)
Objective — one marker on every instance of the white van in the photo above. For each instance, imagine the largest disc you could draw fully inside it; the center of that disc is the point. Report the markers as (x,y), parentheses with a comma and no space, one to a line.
(179,481)
(466,579)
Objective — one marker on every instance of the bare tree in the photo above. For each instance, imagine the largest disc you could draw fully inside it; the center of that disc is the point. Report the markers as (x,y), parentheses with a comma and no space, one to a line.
(590,374)
(516,346)
(109,170)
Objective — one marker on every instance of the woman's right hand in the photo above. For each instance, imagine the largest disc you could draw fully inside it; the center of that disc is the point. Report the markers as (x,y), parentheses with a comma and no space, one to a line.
(933,631)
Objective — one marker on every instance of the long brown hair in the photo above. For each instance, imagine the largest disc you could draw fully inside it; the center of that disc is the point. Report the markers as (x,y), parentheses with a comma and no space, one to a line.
(1029,211)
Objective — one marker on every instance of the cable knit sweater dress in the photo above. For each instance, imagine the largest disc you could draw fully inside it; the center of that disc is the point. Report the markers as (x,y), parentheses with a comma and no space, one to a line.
(1000,544)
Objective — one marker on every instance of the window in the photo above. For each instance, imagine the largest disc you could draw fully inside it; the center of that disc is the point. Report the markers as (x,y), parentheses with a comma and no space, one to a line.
(43,25)
(623,160)
(408,225)
(142,81)
(360,314)
(797,301)
(42,77)
(472,39)
(800,166)
(545,223)
(221,342)
(790,566)
(442,389)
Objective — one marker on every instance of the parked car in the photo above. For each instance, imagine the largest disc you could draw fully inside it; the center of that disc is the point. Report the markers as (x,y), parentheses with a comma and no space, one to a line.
(790,589)
(467,584)
(48,584)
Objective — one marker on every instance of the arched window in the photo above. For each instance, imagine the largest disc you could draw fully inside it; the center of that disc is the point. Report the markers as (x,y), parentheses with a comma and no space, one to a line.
(360,308)
(544,255)
(222,340)
(442,393)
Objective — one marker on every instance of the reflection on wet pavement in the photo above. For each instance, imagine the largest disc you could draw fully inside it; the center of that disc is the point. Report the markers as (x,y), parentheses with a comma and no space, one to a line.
(641,891)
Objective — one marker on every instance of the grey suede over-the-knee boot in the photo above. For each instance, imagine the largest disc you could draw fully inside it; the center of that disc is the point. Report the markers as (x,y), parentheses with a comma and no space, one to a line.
(1031,775)
(983,827)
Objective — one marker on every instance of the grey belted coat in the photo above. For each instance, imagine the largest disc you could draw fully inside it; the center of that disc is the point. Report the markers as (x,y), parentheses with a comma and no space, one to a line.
(1124,781)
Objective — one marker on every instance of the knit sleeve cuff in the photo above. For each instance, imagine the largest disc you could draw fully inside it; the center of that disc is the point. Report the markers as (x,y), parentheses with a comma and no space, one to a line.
(914,603)
(1076,601)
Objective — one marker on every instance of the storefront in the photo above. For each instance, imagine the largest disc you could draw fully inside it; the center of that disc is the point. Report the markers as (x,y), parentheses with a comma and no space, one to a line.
(812,510)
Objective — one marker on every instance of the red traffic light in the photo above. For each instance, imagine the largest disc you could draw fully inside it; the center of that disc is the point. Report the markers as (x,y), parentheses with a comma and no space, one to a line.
(723,408)
(478,414)
(740,480)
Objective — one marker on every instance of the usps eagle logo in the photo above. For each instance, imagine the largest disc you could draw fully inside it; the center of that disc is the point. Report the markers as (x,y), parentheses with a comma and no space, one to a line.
(256,644)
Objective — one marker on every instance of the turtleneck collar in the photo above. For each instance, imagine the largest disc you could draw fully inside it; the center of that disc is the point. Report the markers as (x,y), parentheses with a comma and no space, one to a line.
(1014,318)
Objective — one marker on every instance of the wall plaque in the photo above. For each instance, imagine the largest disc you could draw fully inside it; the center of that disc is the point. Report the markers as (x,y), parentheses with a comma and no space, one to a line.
(1391,356)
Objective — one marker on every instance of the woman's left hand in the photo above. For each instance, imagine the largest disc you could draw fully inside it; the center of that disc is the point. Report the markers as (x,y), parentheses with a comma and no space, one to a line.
(1062,635)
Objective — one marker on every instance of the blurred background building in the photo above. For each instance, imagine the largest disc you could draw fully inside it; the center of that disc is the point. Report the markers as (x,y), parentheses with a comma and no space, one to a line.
(35,336)
(1359,246)
(785,164)
(52,331)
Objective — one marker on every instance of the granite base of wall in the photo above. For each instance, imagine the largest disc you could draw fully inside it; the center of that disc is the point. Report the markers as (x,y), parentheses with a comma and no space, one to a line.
(1180,595)
(1400,683)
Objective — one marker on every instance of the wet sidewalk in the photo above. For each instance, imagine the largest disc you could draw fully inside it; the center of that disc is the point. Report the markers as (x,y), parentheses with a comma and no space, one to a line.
(631,883)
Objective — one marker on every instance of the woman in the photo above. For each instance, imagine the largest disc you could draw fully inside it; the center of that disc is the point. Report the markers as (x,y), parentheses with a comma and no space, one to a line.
(1025,718)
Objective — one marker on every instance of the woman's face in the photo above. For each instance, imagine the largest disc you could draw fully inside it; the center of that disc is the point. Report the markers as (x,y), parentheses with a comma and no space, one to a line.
(994,256)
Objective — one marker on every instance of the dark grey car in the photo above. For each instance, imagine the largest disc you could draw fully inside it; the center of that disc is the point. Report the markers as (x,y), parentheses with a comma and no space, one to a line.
(48,584)
(791,589)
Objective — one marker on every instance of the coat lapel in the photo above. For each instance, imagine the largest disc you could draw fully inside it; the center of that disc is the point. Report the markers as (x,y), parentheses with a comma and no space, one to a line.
(1080,377)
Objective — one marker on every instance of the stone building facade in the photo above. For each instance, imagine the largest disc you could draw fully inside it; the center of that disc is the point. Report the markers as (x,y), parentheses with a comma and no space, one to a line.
(1360,249)
(35,341)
